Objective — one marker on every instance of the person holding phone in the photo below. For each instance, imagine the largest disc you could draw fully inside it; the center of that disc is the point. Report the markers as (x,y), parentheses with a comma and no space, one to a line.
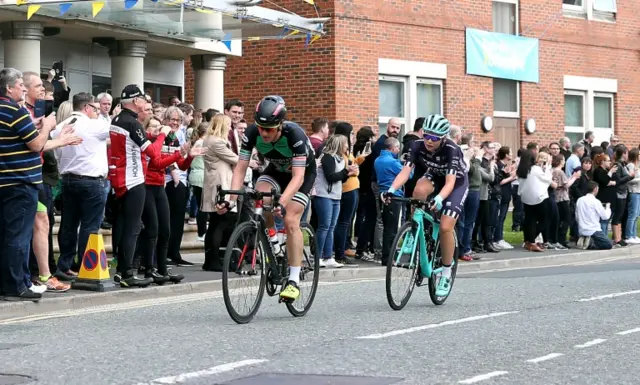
(534,177)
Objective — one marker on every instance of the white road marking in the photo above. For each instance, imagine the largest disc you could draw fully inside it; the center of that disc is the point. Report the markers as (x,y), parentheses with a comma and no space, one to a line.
(545,358)
(590,343)
(612,295)
(432,326)
(181,378)
(628,331)
(482,377)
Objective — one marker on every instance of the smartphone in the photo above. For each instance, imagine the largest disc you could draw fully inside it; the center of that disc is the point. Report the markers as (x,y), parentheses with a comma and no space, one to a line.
(58,68)
(39,109)
(367,147)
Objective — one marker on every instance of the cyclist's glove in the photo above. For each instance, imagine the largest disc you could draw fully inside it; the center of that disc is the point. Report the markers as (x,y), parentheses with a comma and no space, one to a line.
(436,202)
(283,212)
(386,196)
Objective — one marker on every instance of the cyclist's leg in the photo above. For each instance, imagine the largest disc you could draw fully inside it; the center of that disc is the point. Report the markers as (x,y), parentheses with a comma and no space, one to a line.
(424,188)
(452,209)
(264,184)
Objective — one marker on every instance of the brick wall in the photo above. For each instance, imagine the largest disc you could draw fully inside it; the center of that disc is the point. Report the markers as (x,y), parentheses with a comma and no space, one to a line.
(338,76)
(189,80)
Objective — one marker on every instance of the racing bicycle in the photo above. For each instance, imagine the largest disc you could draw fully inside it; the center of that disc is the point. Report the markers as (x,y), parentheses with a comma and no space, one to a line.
(250,256)
(416,251)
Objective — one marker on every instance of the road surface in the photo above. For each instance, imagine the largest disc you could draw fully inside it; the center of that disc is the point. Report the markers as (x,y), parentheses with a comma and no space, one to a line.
(562,325)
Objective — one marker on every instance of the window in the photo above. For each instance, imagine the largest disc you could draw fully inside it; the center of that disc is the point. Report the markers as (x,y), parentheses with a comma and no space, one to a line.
(161,93)
(582,114)
(100,84)
(506,93)
(392,97)
(603,10)
(429,93)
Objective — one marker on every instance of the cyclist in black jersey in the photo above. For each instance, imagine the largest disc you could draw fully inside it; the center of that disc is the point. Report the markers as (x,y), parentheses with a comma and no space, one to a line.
(291,171)
(445,174)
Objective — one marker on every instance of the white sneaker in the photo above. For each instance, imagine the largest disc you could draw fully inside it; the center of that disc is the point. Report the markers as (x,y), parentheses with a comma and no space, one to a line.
(539,239)
(331,262)
(201,238)
(633,241)
(504,245)
(636,240)
(38,288)
(322,262)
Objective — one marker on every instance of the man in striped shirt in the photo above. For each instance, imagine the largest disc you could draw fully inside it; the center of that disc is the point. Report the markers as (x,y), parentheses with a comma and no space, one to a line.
(20,179)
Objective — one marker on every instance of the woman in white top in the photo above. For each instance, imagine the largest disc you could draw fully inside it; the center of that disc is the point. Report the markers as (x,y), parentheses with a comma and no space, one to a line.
(534,178)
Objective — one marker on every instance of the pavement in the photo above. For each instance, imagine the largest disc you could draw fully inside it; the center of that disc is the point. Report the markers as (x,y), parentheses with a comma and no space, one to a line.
(577,323)
(198,281)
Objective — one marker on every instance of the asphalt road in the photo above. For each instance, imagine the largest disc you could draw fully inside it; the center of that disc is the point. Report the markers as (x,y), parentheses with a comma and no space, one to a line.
(562,325)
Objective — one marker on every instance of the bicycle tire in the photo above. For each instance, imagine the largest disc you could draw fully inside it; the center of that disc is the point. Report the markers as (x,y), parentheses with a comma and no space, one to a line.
(246,227)
(407,227)
(315,260)
(437,262)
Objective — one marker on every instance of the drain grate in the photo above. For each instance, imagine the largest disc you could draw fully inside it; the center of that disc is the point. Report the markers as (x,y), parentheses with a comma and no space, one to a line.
(311,379)
(14,379)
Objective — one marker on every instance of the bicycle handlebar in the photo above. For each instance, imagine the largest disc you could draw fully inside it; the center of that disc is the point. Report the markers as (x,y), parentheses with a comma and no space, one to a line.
(257,195)
(432,216)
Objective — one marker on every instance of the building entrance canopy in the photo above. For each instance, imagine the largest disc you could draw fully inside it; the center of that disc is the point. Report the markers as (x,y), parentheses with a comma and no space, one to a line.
(191,20)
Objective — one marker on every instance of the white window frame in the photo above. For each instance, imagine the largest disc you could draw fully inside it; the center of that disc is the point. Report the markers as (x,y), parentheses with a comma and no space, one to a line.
(589,11)
(510,114)
(412,72)
(578,129)
(593,87)
(604,95)
(404,81)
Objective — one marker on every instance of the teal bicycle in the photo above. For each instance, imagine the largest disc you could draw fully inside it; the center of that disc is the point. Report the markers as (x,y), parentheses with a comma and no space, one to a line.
(417,255)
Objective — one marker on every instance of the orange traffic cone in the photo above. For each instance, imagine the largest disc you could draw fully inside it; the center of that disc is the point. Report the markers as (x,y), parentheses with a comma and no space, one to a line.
(94,272)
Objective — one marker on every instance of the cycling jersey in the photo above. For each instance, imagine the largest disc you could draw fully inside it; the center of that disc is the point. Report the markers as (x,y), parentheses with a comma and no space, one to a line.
(129,142)
(293,149)
(447,160)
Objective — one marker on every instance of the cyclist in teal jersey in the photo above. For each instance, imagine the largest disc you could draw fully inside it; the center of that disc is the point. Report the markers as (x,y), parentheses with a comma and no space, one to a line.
(291,171)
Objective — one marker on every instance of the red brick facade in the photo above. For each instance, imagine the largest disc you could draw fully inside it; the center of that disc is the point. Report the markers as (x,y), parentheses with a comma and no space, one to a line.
(337,77)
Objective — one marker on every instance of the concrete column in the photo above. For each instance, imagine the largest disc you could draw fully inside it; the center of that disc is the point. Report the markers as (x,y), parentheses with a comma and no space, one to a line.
(127,64)
(22,45)
(209,81)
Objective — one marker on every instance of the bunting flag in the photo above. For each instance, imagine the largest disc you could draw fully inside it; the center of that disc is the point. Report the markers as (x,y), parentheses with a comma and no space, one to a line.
(205,11)
(253,38)
(128,4)
(96,7)
(283,32)
(32,10)
(312,2)
(307,40)
(226,40)
(316,37)
(64,8)
(294,32)
(21,2)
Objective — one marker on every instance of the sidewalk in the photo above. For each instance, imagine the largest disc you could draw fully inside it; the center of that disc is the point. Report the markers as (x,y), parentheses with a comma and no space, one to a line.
(198,281)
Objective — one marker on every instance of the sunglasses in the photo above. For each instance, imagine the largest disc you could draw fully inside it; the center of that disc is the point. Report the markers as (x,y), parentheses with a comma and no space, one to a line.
(433,138)
(268,129)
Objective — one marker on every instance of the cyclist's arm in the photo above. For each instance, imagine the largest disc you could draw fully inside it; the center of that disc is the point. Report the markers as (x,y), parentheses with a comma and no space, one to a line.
(237,181)
(403,177)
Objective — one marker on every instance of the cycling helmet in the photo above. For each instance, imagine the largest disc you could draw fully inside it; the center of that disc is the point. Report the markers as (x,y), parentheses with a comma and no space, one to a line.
(437,125)
(270,111)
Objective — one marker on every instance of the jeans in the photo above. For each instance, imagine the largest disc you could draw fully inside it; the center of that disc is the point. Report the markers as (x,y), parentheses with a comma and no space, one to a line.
(471,206)
(328,211)
(518,209)
(601,241)
(390,221)
(501,215)
(348,206)
(366,222)
(83,201)
(201,217)
(17,213)
(107,189)
(632,218)
(376,241)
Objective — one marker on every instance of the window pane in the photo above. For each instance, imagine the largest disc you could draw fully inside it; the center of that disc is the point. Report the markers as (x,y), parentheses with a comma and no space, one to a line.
(573,2)
(428,99)
(573,111)
(504,18)
(505,95)
(100,84)
(575,137)
(391,99)
(602,112)
(604,5)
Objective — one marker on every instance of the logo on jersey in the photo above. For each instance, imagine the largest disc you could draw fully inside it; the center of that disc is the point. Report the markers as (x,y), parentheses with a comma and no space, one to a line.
(245,139)
(141,135)
(298,143)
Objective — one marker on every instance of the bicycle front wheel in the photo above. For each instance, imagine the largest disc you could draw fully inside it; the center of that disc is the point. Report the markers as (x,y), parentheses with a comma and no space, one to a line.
(437,263)
(309,274)
(402,267)
(239,272)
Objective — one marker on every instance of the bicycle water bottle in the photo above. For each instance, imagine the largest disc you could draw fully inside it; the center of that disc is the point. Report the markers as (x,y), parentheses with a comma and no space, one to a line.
(275,243)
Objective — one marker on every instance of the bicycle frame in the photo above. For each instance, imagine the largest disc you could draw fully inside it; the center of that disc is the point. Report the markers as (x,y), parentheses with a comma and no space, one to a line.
(419,215)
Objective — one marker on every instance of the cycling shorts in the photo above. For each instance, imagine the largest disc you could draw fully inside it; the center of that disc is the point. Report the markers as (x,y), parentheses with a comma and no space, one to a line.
(280,181)
(42,197)
(453,206)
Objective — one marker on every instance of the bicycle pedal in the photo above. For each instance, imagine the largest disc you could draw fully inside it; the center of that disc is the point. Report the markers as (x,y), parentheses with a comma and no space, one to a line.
(437,271)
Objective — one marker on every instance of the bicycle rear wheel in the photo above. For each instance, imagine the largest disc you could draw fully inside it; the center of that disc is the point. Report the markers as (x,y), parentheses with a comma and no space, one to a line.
(437,263)
(238,272)
(309,274)
(406,266)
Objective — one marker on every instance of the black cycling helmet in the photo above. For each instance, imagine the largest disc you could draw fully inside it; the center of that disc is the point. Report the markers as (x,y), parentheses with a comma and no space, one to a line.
(270,111)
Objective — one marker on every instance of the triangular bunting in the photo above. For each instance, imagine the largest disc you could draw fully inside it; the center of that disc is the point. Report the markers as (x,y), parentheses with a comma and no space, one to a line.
(283,32)
(226,40)
(128,4)
(21,2)
(32,10)
(96,7)
(253,38)
(294,32)
(312,2)
(306,40)
(206,11)
(64,8)
(316,37)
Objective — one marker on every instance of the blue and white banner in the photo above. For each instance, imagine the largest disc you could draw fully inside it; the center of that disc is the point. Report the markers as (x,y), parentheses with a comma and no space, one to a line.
(503,56)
